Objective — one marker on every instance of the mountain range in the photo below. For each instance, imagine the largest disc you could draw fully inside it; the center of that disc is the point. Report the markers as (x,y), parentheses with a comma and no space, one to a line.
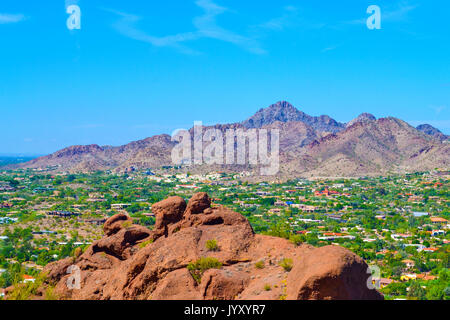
(309,146)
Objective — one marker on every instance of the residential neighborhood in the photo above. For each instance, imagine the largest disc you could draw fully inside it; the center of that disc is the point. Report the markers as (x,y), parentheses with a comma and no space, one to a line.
(399,224)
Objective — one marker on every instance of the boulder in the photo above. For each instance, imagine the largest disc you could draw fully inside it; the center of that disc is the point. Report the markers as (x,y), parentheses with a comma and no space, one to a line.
(167,212)
(223,284)
(115,223)
(330,273)
(198,203)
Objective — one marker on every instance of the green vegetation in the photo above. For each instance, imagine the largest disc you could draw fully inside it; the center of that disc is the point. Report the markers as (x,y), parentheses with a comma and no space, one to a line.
(286,264)
(145,243)
(259,265)
(212,245)
(24,291)
(197,268)
(127,224)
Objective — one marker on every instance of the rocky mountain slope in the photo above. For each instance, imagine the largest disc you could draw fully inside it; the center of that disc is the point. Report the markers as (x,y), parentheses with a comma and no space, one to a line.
(381,146)
(135,263)
(151,152)
(432,131)
(308,146)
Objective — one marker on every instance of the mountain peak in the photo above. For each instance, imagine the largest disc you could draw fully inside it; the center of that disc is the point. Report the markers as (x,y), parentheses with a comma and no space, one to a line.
(363,117)
(282,105)
(283,111)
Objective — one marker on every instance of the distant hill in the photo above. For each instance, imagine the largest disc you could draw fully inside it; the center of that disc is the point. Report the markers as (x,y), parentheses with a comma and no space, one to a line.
(432,131)
(309,146)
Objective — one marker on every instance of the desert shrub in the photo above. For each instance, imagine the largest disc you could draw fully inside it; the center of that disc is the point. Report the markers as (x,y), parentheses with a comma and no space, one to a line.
(145,243)
(50,294)
(127,224)
(197,268)
(297,239)
(267,287)
(211,245)
(286,264)
(259,265)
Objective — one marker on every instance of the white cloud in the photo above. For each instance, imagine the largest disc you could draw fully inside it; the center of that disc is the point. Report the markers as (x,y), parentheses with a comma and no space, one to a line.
(330,48)
(11,18)
(206,27)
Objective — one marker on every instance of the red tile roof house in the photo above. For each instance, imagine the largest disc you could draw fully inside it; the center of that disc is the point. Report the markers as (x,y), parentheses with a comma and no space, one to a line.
(27,278)
(438,220)
(385,282)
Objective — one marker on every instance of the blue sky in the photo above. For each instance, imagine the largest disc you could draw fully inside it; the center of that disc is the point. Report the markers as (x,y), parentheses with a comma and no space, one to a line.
(138,68)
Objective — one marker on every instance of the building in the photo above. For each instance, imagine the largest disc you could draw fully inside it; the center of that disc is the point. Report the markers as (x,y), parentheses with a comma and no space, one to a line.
(28,279)
(420,214)
(438,220)
(63,214)
(409,263)
(304,208)
(335,235)
(120,206)
(385,282)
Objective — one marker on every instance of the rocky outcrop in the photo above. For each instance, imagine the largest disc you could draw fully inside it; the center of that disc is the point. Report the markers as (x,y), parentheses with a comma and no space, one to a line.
(132,262)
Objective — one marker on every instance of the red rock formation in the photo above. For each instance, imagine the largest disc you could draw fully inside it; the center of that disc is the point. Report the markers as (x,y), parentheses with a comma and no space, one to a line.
(132,262)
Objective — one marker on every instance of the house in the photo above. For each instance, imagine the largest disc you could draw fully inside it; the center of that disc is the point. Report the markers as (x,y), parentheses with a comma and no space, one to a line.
(63,214)
(415,199)
(303,207)
(400,235)
(430,249)
(385,282)
(437,233)
(334,235)
(119,206)
(408,276)
(326,193)
(6,205)
(275,211)
(409,263)
(28,279)
(280,204)
(148,214)
(426,277)
(438,220)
